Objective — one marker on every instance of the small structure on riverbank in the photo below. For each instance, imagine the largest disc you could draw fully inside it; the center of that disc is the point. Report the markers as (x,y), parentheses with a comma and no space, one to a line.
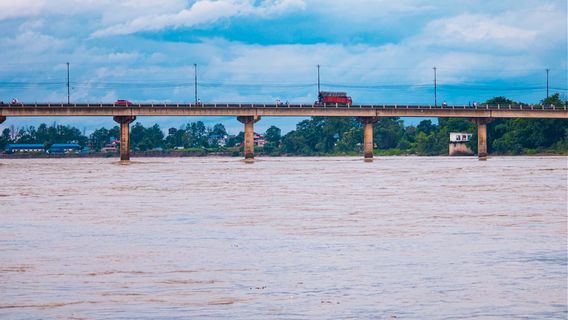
(64,148)
(24,147)
(111,147)
(458,144)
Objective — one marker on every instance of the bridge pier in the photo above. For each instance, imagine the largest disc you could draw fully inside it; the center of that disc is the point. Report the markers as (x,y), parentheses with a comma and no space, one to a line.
(124,122)
(368,123)
(2,119)
(482,137)
(249,122)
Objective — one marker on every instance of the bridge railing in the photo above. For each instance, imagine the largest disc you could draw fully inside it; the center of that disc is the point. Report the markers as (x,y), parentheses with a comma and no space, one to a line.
(285,105)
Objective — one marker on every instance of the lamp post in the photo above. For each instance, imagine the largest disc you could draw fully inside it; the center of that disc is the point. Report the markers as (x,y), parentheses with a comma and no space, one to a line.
(318,80)
(195,80)
(547,71)
(435,88)
(68,90)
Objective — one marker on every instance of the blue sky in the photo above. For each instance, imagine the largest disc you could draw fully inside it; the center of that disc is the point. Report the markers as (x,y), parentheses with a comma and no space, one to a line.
(378,51)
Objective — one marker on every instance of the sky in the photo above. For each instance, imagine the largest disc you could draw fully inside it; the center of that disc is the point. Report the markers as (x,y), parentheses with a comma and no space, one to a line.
(379,51)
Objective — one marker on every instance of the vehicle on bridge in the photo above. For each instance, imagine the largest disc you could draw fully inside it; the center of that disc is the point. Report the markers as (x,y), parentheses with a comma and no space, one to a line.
(122,102)
(333,98)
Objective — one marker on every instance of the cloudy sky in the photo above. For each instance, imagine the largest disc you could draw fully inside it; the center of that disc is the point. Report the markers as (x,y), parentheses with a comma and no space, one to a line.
(379,51)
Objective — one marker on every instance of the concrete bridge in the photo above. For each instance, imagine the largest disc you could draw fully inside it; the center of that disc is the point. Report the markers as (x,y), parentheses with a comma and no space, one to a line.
(248,114)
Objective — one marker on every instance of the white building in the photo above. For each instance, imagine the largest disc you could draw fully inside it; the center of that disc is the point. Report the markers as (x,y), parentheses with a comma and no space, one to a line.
(458,144)
(459,137)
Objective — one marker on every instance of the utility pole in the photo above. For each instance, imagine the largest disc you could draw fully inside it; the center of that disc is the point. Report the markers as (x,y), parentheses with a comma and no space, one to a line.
(68,91)
(318,80)
(435,89)
(195,80)
(547,71)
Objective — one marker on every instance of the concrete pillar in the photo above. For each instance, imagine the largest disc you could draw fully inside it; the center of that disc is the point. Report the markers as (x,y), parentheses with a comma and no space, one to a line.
(124,122)
(482,141)
(368,123)
(249,122)
(2,119)
(482,137)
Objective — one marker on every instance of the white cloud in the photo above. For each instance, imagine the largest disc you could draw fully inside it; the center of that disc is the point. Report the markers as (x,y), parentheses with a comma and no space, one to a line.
(32,43)
(205,11)
(111,11)
(21,8)
(362,9)
(468,30)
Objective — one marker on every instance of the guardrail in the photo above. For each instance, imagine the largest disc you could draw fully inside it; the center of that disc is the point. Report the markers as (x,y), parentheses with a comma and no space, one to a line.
(290,106)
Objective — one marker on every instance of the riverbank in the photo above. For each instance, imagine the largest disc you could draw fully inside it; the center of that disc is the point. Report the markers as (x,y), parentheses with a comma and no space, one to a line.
(205,153)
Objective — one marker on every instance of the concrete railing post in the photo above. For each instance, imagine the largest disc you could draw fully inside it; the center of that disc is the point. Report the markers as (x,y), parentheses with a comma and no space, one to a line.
(249,122)
(124,122)
(368,123)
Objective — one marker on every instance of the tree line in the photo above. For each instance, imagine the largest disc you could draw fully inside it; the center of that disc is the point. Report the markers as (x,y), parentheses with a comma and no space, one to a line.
(324,136)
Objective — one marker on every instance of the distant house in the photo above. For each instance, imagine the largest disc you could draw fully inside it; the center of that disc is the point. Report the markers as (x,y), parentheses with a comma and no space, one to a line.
(24,147)
(458,144)
(219,139)
(111,147)
(259,140)
(64,148)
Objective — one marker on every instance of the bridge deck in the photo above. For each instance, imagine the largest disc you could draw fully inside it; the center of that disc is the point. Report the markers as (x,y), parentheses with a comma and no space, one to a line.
(236,109)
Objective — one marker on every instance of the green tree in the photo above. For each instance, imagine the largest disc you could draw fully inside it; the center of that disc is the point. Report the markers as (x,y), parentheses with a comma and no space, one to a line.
(500,100)
(350,140)
(99,138)
(195,135)
(426,145)
(332,130)
(408,140)
(388,132)
(554,100)
(5,138)
(273,135)
(174,138)
(219,130)
(137,133)
(310,132)
(237,140)
(456,124)
(295,143)
(114,132)
(517,136)
(25,136)
(155,137)
(426,126)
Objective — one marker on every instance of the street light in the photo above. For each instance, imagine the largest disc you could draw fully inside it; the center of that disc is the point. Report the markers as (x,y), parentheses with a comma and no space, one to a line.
(435,88)
(195,80)
(68,91)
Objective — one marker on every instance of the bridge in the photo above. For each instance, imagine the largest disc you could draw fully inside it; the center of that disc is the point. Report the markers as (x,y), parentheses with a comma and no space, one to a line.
(248,114)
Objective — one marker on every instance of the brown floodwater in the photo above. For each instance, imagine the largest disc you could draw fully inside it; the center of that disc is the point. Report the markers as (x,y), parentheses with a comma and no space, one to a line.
(288,238)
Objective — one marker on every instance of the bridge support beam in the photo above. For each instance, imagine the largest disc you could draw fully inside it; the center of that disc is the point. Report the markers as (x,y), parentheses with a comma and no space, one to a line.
(2,119)
(249,122)
(124,122)
(368,123)
(482,137)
